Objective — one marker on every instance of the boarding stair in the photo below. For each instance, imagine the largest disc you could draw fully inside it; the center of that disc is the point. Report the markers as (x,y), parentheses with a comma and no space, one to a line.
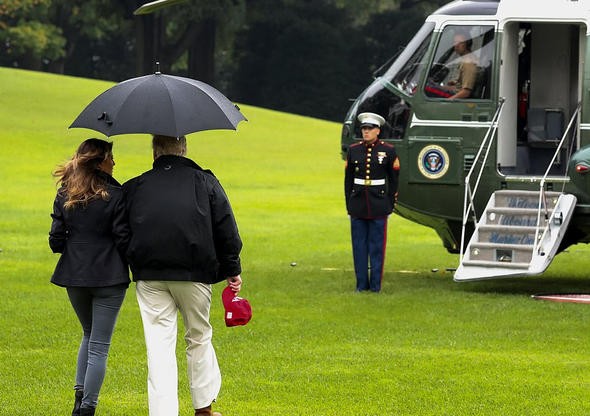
(520,230)
(518,234)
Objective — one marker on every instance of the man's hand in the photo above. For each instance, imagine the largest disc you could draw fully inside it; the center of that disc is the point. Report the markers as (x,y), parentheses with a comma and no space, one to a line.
(235,283)
(462,93)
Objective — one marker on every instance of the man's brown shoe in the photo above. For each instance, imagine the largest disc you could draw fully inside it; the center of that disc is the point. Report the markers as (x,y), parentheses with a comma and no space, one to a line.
(206,411)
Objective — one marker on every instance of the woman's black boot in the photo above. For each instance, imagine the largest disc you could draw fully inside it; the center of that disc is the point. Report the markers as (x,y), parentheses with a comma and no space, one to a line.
(77,402)
(87,411)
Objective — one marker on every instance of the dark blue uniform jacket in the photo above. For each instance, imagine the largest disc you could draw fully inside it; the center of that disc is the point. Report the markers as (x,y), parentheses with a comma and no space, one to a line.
(371,179)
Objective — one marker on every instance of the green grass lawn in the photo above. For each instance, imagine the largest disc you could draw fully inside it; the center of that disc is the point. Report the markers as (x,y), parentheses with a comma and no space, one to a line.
(424,346)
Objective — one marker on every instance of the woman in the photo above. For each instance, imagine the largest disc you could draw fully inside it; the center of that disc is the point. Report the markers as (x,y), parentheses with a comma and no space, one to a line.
(90,231)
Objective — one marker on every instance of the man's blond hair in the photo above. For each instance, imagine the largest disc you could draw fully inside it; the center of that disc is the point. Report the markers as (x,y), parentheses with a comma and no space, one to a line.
(166,145)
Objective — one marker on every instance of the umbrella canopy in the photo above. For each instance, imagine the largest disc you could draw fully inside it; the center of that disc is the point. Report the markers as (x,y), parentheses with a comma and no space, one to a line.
(159,104)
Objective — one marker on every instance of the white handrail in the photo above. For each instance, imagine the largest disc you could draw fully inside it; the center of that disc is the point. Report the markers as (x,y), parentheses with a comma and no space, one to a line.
(542,196)
(469,193)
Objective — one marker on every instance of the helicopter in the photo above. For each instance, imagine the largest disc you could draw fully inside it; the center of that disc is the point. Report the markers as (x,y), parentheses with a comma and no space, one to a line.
(487,107)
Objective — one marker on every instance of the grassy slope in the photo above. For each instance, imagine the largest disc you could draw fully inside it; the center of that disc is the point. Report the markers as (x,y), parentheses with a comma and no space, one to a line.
(425,346)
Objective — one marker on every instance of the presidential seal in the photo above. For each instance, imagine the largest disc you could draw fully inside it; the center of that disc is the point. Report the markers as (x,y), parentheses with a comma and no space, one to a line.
(433,162)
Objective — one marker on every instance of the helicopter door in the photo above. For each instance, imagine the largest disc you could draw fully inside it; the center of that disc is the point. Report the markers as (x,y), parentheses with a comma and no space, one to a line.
(540,79)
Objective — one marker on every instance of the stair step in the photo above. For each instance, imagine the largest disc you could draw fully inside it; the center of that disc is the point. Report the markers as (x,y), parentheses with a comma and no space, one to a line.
(515,211)
(524,247)
(503,253)
(512,216)
(522,192)
(508,228)
(524,199)
(495,264)
(505,234)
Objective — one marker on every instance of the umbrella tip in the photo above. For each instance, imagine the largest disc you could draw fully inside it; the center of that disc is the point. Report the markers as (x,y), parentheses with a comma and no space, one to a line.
(158,68)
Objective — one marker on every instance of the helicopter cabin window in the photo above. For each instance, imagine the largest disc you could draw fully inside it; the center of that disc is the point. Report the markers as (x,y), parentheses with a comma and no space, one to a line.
(462,63)
(406,70)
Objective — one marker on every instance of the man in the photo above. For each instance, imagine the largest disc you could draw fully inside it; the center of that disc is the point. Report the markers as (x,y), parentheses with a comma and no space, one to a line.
(463,85)
(370,189)
(462,78)
(183,239)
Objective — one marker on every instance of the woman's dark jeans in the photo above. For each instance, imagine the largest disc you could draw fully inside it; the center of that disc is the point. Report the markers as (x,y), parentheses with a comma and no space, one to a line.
(97,309)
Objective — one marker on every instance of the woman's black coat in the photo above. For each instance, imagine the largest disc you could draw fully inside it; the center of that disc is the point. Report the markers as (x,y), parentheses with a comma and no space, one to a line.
(92,240)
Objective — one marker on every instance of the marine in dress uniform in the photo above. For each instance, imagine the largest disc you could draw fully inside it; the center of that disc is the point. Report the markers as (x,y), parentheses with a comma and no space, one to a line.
(370,188)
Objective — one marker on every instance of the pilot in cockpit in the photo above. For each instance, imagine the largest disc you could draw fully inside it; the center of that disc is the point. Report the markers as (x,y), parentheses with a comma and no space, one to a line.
(462,81)
(463,85)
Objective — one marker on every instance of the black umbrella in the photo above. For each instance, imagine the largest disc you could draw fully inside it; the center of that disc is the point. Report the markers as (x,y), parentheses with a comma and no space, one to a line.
(159,104)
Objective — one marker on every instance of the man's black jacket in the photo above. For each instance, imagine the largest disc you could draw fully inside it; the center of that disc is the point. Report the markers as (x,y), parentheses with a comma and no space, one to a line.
(182,224)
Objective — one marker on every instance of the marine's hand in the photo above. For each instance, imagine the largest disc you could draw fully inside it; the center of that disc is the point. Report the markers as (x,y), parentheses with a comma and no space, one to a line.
(235,283)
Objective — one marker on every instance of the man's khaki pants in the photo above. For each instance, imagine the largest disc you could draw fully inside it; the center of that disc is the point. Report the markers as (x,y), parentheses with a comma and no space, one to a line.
(159,302)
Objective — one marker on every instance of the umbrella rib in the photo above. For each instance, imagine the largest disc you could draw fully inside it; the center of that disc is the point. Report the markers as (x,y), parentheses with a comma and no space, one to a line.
(200,91)
(174,112)
(217,98)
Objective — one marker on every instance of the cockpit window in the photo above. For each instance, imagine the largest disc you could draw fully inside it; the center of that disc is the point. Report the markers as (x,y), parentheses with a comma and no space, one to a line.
(462,63)
(406,70)
(379,99)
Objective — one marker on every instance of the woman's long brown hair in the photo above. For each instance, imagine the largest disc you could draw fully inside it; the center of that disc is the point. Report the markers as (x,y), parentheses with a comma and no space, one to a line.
(79,178)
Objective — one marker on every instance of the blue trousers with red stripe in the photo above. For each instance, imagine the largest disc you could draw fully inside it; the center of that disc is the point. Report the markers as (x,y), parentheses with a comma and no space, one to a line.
(369,238)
